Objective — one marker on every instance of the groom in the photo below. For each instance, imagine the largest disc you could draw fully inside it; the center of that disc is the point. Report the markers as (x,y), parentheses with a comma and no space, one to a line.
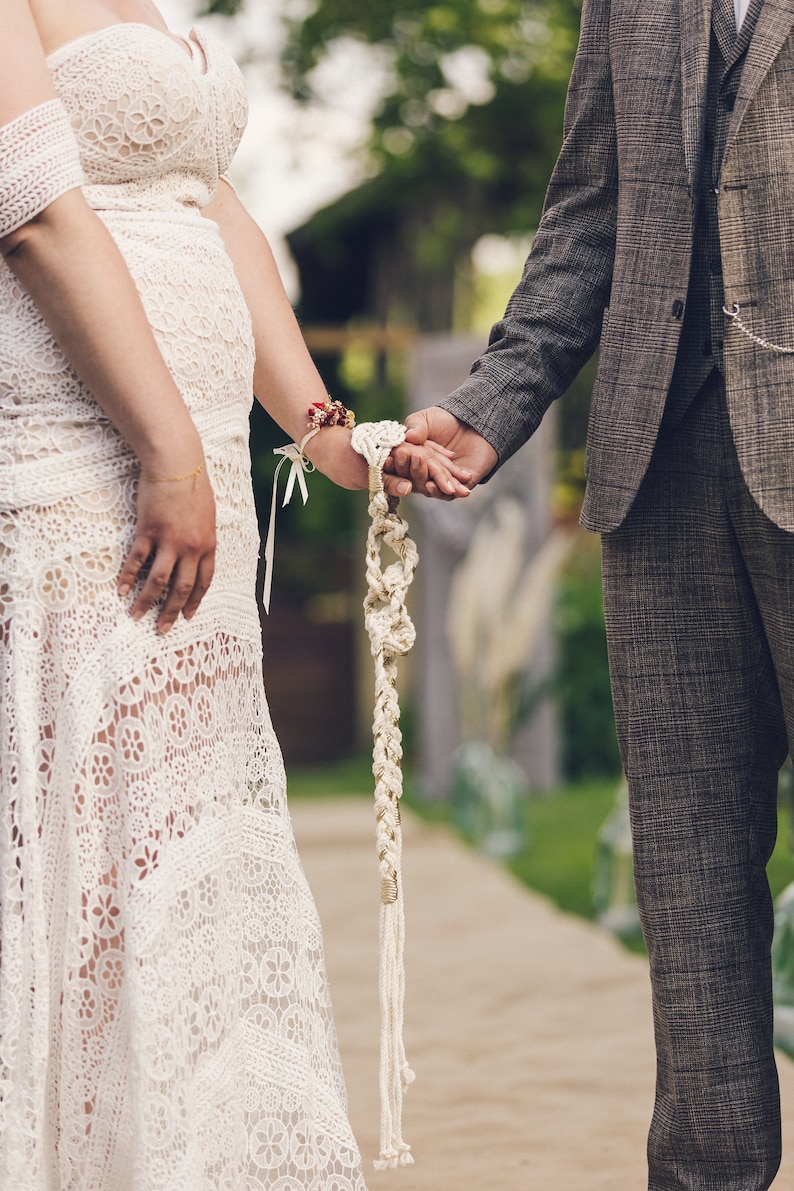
(672,198)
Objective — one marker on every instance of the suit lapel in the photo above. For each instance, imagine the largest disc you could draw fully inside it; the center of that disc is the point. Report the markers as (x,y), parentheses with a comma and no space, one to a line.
(695,23)
(774,25)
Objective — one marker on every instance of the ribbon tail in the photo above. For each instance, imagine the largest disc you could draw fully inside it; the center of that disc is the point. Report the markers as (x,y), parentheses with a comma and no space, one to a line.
(296,472)
(298,465)
(270,542)
(300,473)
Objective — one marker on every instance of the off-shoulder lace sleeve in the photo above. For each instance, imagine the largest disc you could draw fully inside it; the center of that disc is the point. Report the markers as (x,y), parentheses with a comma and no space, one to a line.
(39,161)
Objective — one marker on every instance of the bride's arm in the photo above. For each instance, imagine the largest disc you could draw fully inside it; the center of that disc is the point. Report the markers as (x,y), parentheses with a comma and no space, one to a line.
(68,263)
(286,381)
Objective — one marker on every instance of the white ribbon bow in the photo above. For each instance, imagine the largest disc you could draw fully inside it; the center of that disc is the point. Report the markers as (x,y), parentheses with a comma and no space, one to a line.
(299,465)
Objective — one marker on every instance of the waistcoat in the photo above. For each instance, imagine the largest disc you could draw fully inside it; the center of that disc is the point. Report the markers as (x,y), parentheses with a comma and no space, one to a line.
(702,334)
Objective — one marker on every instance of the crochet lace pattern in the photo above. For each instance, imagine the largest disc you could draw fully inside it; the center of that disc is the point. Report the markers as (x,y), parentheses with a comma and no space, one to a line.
(39,161)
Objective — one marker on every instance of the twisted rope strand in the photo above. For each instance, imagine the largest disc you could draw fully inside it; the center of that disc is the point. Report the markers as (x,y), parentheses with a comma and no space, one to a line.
(391,633)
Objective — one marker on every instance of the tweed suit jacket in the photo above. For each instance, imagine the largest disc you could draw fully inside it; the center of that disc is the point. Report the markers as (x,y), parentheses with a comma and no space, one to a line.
(613,252)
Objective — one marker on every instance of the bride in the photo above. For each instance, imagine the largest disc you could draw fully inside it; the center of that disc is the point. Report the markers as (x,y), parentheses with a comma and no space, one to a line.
(164,1016)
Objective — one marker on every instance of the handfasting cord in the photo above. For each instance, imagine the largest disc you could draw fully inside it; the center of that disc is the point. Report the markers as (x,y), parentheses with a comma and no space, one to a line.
(391,635)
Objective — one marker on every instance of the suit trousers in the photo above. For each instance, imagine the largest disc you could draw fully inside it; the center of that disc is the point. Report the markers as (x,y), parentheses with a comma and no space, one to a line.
(699,603)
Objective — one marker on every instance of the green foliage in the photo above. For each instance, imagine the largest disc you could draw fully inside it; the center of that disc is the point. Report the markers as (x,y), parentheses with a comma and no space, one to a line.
(427,42)
(222,8)
(780,869)
(473,113)
(589,745)
(467,126)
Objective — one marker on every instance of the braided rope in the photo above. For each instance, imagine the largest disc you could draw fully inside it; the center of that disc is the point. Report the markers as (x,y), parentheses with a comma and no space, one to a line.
(391,635)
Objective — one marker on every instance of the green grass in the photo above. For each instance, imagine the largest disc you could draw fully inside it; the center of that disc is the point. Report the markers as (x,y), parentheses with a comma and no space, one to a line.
(560,853)
(780,869)
(352,776)
(559,857)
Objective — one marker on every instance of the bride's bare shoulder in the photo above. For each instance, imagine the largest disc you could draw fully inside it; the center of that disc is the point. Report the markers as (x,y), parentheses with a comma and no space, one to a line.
(24,78)
(59,21)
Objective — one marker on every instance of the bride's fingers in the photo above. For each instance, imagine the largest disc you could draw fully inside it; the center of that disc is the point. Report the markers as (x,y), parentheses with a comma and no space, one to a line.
(206,570)
(446,478)
(410,447)
(429,478)
(180,590)
(179,583)
(414,462)
(133,564)
(403,461)
(421,466)
(156,583)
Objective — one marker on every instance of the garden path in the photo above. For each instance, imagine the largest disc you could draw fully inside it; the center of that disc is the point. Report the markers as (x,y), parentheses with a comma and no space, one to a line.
(529,1030)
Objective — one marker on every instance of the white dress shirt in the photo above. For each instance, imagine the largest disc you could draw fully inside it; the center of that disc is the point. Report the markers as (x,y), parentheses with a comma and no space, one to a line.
(740,8)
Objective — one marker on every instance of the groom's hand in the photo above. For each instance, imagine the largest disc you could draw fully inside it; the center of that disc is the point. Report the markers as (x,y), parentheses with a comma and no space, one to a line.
(473,456)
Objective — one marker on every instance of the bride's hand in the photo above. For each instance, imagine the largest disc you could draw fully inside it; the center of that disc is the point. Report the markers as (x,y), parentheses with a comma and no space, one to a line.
(175,536)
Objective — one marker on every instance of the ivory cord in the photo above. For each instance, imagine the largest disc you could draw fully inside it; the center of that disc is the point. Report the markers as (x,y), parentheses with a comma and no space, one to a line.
(391,633)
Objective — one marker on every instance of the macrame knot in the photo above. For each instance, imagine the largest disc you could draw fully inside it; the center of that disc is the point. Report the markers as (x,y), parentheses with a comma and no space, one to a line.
(391,633)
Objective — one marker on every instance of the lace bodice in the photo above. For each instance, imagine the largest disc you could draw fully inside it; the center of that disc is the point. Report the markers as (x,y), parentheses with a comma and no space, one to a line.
(155,124)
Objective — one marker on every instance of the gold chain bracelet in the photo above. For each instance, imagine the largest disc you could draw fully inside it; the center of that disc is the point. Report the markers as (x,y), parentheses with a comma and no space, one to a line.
(189,475)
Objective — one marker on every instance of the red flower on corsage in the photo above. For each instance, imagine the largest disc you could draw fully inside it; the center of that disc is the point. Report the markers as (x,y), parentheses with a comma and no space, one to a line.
(330,413)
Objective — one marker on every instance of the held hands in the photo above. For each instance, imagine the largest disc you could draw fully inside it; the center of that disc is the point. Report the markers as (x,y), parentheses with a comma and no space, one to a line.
(331,453)
(435,435)
(175,530)
(175,535)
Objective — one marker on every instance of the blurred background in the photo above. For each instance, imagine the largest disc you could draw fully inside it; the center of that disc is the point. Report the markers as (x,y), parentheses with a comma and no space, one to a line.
(397,156)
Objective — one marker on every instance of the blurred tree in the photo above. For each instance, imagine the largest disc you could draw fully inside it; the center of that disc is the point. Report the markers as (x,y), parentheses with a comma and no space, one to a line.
(476,95)
(470,118)
(223,8)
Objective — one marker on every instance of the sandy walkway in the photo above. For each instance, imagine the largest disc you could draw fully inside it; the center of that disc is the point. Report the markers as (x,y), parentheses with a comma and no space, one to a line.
(529,1030)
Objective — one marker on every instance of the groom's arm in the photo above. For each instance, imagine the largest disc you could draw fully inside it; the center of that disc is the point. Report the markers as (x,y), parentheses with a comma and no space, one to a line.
(553,320)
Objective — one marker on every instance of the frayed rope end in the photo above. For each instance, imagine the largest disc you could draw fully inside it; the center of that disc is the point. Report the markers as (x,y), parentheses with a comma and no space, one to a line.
(391,1159)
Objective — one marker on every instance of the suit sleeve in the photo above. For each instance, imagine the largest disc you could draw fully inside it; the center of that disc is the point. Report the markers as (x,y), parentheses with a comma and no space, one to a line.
(553,320)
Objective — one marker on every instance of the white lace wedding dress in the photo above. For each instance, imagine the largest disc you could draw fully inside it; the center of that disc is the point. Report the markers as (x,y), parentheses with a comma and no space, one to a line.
(165,1023)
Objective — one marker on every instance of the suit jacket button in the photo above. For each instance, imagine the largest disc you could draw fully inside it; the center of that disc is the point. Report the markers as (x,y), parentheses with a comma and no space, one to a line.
(678,308)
